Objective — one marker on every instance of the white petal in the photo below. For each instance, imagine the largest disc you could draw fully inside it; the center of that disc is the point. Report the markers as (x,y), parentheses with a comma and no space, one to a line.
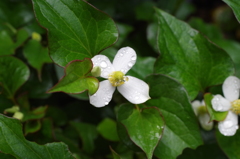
(219,103)
(229,126)
(204,121)
(103,95)
(195,105)
(231,88)
(135,90)
(124,60)
(104,63)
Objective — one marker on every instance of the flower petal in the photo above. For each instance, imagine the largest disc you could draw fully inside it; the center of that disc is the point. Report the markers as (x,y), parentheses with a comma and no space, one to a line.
(124,60)
(195,105)
(219,103)
(229,126)
(231,87)
(135,90)
(104,63)
(103,95)
(204,121)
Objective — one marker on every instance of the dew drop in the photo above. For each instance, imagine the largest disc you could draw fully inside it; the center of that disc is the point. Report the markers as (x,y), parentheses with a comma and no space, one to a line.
(103,64)
(217,98)
(99,58)
(106,103)
(136,97)
(133,57)
(95,95)
(130,64)
(121,54)
(236,126)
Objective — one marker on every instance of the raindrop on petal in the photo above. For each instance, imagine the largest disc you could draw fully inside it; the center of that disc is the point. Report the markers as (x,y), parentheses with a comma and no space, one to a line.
(103,64)
(133,57)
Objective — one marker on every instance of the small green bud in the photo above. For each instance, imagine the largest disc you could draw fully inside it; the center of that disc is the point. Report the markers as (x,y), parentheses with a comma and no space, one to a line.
(18,115)
(96,71)
(13,109)
(36,36)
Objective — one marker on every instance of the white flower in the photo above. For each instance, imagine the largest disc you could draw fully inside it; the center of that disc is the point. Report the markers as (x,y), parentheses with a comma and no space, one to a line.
(230,103)
(133,89)
(200,111)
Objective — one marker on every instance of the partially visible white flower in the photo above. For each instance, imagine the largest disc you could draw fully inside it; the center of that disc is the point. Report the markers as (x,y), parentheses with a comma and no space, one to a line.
(230,103)
(200,111)
(133,89)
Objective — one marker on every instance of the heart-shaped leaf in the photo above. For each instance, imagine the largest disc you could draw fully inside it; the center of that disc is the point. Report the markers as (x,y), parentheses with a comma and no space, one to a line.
(36,55)
(189,57)
(144,126)
(7,46)
(76,29)
(214,115)
(13,142)
(181,130)
(13,73)
(229,144)
(76,79)
(108,129)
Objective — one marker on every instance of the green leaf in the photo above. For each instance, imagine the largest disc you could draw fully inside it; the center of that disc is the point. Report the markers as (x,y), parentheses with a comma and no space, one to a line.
(76,79)
(234,4)
(37,113)
(36,55)
(115,155)
(189,57)
(6,44)
(13,73)
(229,144)
(6,156)
(32,126)
(142,68)
(181,130)
(76,29)
(88,133)
(13,142)
(214,115)
(108,129)
(144,126)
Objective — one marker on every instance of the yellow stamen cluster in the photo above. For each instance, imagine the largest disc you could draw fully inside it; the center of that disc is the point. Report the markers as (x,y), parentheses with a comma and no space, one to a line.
(236,106)
(117,78)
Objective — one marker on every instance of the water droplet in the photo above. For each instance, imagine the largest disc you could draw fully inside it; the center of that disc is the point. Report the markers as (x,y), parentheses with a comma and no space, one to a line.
(236,91)
(95,95)
(136,97)
(99,58)
(121,54)
(217,98)
(105,73)
(130,64)
(133,57)
(106,103)
(162,127)
(219,108)
(103,64)
(236,127)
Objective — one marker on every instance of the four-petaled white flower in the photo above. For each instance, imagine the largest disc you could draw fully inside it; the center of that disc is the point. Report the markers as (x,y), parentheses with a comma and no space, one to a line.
(133,89)
(230,103)
(200,111)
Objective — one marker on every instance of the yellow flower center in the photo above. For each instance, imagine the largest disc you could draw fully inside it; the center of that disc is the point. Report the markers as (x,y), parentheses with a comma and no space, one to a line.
(236,106)
(117,78)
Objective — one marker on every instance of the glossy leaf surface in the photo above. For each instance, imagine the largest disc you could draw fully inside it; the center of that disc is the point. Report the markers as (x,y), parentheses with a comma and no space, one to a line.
(189,57)
(13,142)
(181,130)
(76,78)
(12,81)
(76,29)
(144,126)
